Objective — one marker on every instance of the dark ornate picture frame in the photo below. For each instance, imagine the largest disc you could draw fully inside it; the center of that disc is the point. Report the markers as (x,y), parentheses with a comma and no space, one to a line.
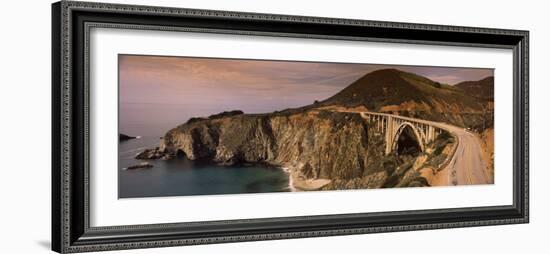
(71,23)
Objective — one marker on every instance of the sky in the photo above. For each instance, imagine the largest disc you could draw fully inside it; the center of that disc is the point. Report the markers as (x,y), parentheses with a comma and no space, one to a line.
(172,89)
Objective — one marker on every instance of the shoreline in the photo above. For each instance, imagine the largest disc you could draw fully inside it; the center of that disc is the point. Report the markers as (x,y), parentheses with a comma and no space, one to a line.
(296,182)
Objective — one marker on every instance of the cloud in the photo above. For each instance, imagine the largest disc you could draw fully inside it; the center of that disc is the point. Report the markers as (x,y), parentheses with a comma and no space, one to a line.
(251,83)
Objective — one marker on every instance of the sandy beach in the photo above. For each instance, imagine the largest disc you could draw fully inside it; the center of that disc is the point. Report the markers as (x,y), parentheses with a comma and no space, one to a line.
(297,182)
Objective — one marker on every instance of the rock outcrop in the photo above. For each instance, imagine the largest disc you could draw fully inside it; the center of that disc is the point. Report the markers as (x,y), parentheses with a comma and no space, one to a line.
(317,144)
(124,137)
(152,154)
(141,165)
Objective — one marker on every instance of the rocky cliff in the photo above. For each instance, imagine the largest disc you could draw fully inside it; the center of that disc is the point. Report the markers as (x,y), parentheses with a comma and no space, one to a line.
(315,144)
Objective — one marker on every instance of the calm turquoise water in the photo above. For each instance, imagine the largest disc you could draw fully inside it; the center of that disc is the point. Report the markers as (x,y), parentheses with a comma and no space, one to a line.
(182,177)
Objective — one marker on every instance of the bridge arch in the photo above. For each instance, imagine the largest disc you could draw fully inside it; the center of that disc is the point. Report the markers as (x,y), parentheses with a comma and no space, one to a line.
(393,126)
(403,131)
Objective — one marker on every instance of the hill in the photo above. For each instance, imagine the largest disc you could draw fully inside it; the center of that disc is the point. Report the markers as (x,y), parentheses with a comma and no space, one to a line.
(482,89)
(409,94)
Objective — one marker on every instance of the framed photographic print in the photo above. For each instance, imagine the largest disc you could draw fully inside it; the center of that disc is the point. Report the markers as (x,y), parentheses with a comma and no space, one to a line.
(181,126)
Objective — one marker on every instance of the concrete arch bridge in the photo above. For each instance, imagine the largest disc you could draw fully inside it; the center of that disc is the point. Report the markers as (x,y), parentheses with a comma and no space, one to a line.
(395,127)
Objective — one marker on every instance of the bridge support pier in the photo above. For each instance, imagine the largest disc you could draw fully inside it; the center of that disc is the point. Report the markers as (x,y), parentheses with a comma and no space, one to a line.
(431,134)
(389,134)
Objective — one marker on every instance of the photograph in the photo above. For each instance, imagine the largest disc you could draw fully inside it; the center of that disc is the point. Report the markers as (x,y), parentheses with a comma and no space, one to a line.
(179,125)
(213,126)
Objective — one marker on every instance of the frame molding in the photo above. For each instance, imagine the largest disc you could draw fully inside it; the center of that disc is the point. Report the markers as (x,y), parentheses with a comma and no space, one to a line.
(71,22)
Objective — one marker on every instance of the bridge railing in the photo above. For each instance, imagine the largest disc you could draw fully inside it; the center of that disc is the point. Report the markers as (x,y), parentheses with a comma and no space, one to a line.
(409,119)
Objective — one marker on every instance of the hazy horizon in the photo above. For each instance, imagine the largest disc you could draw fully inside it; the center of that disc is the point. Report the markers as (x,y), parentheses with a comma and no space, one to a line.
(159,92)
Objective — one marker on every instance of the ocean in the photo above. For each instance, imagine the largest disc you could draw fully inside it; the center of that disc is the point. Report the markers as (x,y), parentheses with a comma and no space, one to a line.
(183,177)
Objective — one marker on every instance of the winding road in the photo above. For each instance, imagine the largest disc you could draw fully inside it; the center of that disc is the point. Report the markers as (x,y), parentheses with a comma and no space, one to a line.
(467,166)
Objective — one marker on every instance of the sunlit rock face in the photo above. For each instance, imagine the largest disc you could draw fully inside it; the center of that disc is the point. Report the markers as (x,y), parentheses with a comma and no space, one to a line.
(318,144)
